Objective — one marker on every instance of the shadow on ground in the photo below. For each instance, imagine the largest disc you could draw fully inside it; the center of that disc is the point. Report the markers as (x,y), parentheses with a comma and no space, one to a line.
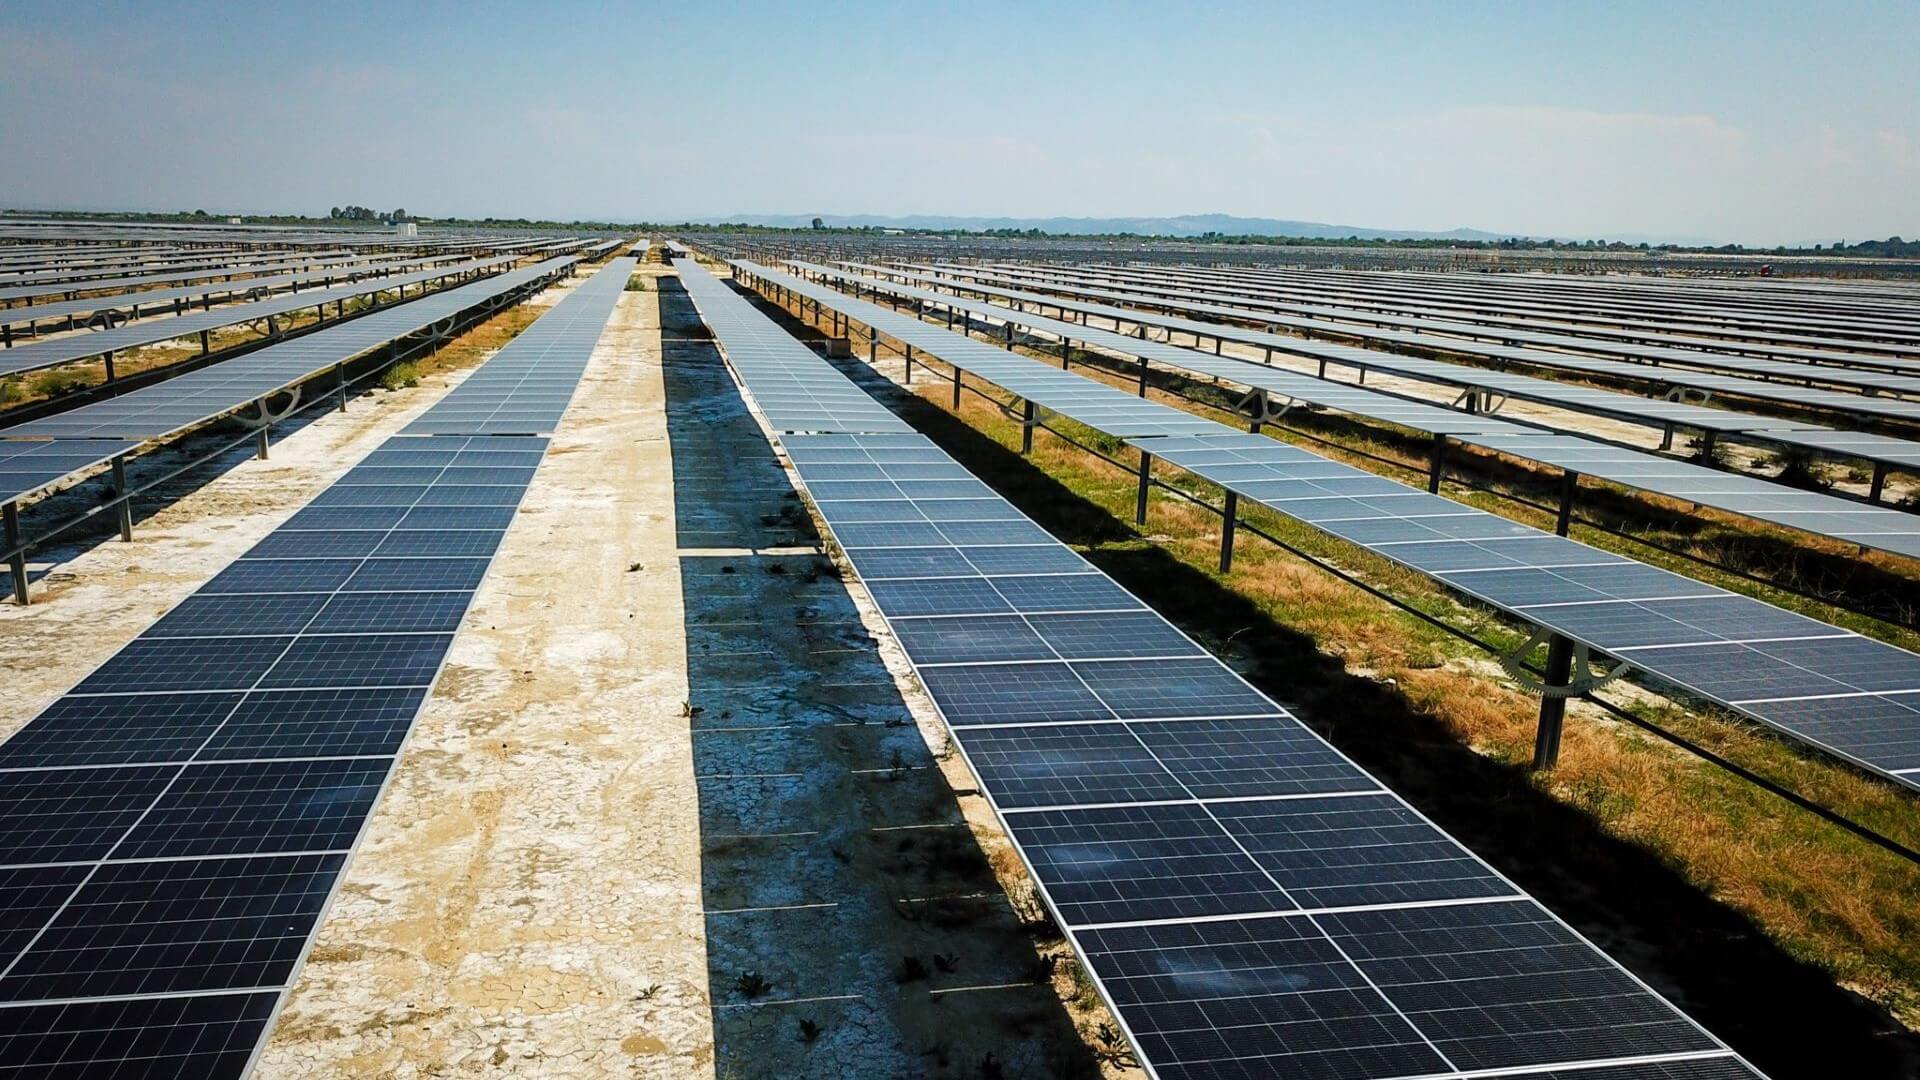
(849,908)
(1786,1016)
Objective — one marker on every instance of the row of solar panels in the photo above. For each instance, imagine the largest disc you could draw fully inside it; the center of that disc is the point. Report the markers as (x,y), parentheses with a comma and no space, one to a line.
(1249,901)
(1832,689)
(79,275)
(175,827)
(24,320)
(255,265)
(78,271)
(1663,375)
(1854,309)
(1342,300)
(1660,349)
(250,264)
(1882,450)
(65,350)
(121,423)
(1821,515)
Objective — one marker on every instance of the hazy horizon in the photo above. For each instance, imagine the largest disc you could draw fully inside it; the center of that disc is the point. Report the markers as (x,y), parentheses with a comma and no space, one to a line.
(1750,123)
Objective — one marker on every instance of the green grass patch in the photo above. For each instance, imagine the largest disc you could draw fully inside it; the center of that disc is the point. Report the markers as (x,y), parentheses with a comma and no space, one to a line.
(52,384)
(400,376)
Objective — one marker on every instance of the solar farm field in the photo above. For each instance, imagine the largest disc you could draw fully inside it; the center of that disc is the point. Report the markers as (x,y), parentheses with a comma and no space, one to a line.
(756,653)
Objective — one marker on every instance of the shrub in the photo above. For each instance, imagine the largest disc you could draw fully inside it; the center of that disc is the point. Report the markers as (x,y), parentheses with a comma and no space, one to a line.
(55,383)
(401,376)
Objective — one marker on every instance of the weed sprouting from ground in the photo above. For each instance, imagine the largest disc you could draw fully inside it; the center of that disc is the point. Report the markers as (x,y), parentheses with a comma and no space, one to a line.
(751,985)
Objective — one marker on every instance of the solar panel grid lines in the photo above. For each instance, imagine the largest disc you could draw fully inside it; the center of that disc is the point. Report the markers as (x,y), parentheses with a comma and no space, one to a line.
(235,270)
(79,276)
(56,351)
(1736,376)
(1836,322)
(1786,316)
(155,411)
(1790,687)
(1822,515)
(155,300)
(1308,300)
(179,823)
(28,466)
(796,395)
(526,387)
(1174,818)
(1654,412)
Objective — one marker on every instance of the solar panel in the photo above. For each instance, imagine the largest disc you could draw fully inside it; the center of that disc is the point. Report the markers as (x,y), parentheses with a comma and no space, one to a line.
(1654,412)
(63,350)
(1824,515)
(798,396)
(171,830)
(1323,318)
(1113,764)
(1645,344)
(61,288)
(1501,562)
(188,399)
(28,466)
(148,301)
(1662,375)
(526,386)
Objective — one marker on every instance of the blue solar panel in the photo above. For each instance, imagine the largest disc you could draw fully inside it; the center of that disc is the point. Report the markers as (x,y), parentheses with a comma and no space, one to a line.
(173,826)
(1453,542)
(1191,836)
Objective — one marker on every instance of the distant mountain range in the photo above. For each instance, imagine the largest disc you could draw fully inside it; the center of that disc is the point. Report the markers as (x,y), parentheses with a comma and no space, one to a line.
(1189,225)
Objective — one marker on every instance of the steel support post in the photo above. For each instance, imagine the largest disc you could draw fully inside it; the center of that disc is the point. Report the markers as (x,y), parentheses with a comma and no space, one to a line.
(1026,427)
(126,503)
(1437,466)
(1146,483)
(16,562)
(1879,482)
(1553,709)
(1228,518)
(1142,391)
(108,357)
(1066,354)
(958,375)
(1569,489)
(260,438)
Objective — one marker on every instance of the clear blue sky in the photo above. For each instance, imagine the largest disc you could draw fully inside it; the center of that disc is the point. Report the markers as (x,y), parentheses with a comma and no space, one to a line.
(1757,122)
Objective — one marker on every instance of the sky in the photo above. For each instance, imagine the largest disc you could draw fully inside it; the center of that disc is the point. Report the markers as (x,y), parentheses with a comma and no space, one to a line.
(1754,122)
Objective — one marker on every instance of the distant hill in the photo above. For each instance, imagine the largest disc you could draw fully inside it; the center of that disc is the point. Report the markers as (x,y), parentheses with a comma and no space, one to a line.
(1190,225)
